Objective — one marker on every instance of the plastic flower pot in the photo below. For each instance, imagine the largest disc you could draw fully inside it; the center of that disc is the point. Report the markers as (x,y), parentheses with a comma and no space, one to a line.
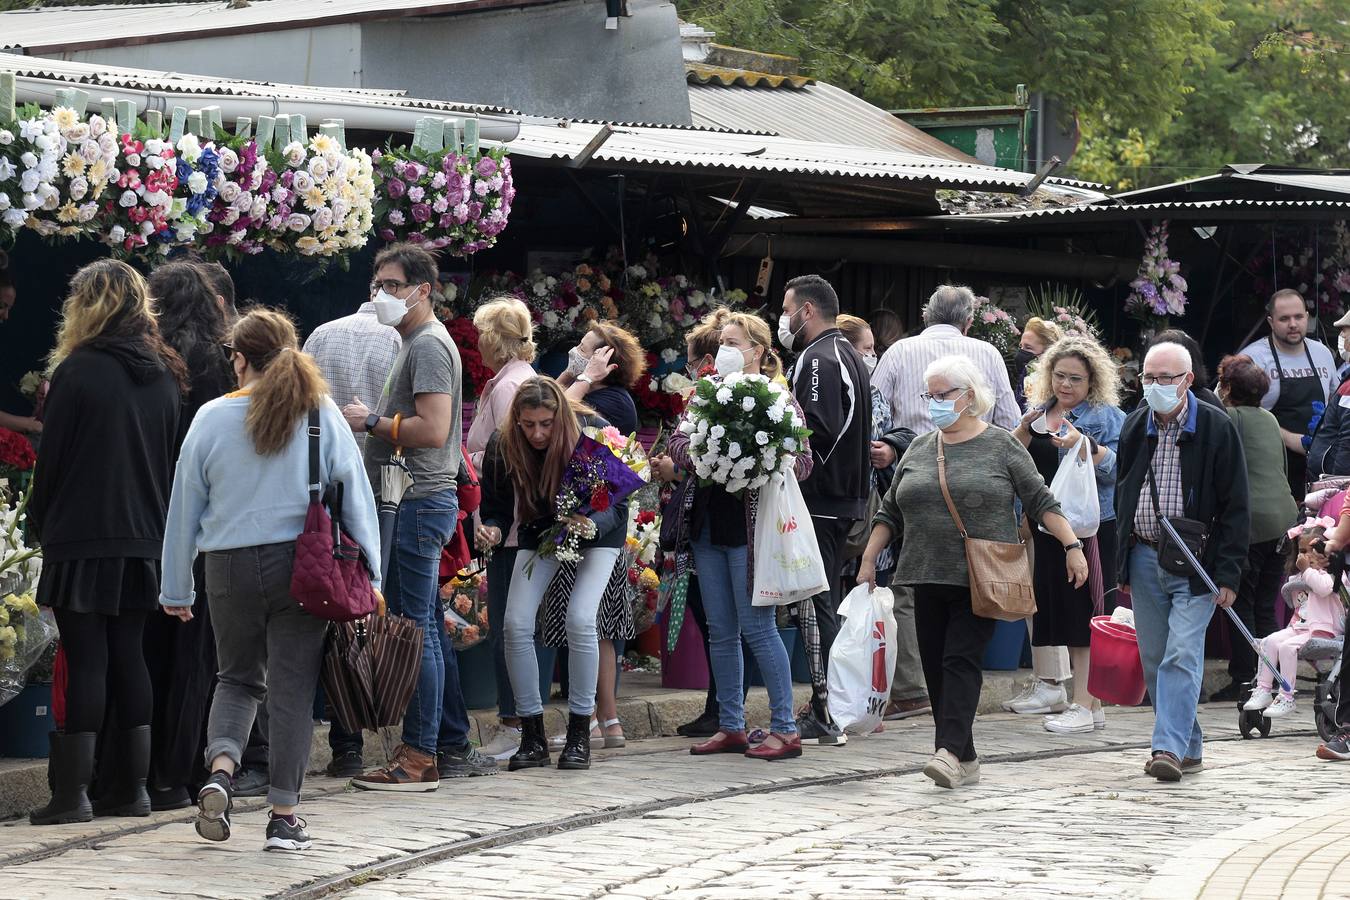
(1004,651)
(477,677)
(686,667)
(1117,674)
(25,722)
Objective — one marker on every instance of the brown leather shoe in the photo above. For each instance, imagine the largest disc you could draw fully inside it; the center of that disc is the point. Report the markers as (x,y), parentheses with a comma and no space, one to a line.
(1164,766)
(904,709)
(722,742)
(1190,765)
(789,747)
(411,770)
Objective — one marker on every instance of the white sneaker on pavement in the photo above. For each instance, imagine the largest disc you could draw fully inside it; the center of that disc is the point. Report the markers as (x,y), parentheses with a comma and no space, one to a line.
(970,772)
(1027,688)
(944,769)
(1261,698)
(1044,698)
(504,745)
(1074,720)
(1282,706)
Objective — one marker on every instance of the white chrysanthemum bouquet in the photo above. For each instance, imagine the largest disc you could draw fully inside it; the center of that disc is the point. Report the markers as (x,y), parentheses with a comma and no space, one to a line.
(742,429)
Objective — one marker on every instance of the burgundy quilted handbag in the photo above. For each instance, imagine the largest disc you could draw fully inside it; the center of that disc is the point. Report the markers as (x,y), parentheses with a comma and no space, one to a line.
(329,579)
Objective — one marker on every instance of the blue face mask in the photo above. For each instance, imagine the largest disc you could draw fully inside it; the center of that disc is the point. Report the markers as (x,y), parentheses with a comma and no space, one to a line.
(1161,398)
(943,412)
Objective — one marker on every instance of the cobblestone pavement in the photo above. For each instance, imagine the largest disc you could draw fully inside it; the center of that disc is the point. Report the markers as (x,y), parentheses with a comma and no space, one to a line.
(1053,816)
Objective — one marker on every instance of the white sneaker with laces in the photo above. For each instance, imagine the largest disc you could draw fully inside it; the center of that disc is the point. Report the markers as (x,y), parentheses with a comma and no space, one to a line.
(1282,706)
(504,745)
(1044,698)
(1024,693)
(1261,698)
(1074,720)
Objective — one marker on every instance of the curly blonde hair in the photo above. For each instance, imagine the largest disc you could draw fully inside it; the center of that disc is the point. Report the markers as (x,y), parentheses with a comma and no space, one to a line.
(505,331)
(1103,371)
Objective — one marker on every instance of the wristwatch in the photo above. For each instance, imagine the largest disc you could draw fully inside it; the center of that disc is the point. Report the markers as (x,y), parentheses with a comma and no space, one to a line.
(371,421)
(585,379)
(1076,545)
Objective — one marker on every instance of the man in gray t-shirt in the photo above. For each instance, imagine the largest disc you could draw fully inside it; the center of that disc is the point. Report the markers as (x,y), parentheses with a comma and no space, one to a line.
(423,390)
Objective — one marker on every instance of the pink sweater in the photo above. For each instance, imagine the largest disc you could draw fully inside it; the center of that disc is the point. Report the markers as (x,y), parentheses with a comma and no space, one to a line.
(1323,614)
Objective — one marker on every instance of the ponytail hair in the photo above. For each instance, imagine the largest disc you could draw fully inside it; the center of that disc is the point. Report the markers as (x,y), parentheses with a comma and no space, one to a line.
(289,384)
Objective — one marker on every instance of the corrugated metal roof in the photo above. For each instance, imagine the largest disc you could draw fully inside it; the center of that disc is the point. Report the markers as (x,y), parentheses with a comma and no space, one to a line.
(702,73)
(1105,210)
(818,112)
(1229,179)
(92,76)
(65,29)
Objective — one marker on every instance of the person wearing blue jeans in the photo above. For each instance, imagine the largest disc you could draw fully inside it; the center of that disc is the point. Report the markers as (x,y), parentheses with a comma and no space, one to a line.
(1178,459)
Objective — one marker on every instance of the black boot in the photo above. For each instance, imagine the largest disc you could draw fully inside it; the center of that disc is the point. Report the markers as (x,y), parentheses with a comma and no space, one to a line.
(576,753)
(126,795)
(71,765)
(533,751)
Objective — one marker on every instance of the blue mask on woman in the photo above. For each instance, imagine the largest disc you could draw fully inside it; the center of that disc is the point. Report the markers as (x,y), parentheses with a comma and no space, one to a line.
(942,412)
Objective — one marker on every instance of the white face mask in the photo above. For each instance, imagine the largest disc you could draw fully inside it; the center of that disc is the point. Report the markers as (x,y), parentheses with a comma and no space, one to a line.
(730,360)
(786,336)
(870,362)
(389,310)
(576,363)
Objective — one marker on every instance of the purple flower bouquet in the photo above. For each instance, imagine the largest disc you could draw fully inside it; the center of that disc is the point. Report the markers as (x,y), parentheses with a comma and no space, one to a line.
(595,479)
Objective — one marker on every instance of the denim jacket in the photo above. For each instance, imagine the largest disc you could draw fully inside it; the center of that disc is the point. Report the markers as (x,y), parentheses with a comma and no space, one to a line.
(1101,423)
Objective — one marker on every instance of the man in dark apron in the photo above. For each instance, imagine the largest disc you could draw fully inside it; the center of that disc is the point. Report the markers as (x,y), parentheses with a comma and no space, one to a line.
(1295,386)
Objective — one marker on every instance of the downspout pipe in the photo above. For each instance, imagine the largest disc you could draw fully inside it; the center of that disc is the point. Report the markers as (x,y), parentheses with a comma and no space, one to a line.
(362,114)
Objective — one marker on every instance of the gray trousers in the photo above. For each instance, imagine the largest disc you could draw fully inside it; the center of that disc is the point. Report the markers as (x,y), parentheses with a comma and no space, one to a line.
(908,683)
(268,650)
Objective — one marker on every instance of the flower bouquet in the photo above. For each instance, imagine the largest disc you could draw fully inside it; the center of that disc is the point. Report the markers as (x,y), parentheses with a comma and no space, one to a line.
(1158,291)
(993,325)
(242,207)
(663,399)
(323,198)
(16,454)
(54,170)
(443,200)
(1064,307)
(597,476)
(140,215)
(644,528)
(464,601)
(741,430)
(25,633)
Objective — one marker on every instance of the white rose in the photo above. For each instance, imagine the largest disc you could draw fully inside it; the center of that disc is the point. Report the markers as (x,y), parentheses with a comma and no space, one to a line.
(79,187)
(551,319)
(117,234)
(147,228)
(790,444)
(31,201)
(302,183)
(197,182)
(15,217)
(7,170)
(297,222)
(6,137)
(776,413)
(668,356)
(294,153)
(761,438)
(718,432)
(733,450)
(5,202)
(259,208)
(702,470)
(89,151)
(686,425)
(229,192)
(29,160)
(724,395)
(748,404)
(230,216)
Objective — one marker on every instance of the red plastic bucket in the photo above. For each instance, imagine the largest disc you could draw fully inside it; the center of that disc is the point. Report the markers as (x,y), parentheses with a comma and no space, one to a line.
(1116,674)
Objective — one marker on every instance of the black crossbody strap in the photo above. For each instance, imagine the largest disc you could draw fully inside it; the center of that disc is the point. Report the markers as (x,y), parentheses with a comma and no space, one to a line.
(315,478)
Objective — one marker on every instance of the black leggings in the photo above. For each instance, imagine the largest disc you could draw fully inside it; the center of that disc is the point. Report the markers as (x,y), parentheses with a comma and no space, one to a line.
(105,660)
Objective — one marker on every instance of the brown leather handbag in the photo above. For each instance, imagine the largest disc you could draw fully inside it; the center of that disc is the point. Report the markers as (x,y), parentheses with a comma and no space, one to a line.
(1000,578)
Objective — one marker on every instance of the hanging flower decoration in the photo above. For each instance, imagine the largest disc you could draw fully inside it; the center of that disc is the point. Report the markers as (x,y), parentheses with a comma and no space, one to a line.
(992,323)
(1158,291)
(323,198)
(138,214)
(443,200)
(243,204)
(197,167)
(54,167)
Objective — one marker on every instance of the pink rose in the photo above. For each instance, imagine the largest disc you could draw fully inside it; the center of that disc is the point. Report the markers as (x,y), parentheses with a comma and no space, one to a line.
(421,212)
(395,188)
(487,167)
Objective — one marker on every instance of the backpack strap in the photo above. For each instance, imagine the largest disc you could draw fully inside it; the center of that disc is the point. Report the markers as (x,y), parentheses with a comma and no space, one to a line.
(315,478)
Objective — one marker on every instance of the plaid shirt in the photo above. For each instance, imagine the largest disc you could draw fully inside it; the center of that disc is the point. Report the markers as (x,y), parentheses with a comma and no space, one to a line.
(1167,471)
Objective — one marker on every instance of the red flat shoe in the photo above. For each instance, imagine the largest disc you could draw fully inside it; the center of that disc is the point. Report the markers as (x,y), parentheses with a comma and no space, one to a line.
(789,747)
(722,742)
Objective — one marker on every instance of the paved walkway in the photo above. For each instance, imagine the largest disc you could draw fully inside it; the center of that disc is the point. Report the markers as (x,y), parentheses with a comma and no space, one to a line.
(1079,819)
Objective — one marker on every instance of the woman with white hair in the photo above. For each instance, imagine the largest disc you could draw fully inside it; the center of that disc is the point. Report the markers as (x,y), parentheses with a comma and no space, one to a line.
(986,468)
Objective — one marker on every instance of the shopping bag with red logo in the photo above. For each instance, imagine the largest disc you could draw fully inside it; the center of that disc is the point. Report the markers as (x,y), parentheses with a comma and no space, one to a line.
(862,660)
(788,567)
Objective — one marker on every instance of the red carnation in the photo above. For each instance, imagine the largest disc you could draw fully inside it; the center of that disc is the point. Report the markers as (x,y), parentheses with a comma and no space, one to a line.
(600,498)
(646,517)
(15,451)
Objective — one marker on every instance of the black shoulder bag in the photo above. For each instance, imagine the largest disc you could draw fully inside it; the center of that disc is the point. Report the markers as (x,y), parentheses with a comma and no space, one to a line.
(1191,531)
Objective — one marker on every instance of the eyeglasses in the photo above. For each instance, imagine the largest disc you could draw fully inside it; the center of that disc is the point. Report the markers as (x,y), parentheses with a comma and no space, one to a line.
(389,285)
(1070,380)
(944,395)
(1163,379)
(229,349)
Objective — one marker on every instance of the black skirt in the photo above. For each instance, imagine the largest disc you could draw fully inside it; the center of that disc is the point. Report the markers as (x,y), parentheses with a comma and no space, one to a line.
(1063,612)
(104,586)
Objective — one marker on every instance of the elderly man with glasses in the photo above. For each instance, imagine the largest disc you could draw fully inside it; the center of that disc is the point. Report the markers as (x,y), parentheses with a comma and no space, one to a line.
(1182,460)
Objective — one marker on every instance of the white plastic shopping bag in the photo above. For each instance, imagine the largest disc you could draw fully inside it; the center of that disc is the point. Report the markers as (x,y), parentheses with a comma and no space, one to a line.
(862,660)
(788,567)
(1075,487)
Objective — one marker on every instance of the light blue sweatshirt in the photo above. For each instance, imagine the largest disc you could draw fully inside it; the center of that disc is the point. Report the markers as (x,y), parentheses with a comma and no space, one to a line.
(226,495)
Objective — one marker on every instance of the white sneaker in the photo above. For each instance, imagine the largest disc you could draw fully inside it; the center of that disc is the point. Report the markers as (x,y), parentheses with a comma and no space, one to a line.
(1098,719)
(504,745)
(944,769)
(970,772)
(1283,706)
(1261,698)
(1074,720)
(1045,698)
(1027,688)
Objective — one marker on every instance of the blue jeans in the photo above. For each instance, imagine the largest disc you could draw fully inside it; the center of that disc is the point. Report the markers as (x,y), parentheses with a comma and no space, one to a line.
(1170,622)
(500,567)
(422,528)
(723,582)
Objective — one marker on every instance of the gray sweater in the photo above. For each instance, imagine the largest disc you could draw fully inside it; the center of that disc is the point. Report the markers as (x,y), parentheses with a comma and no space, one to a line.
(984,474)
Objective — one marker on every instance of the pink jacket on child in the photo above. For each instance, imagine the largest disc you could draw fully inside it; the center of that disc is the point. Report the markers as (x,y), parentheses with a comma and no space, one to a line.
(1323,614)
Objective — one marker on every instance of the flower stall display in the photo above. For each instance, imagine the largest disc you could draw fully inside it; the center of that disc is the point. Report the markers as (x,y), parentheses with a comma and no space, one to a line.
(1158,290)
(644,528)
(1319,267)
(54,168)
(242,207)
(1065,308)
(443,200)
(464,601)
(476,372)
(140,217)
(741,430)
(994,325)
(323,199)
